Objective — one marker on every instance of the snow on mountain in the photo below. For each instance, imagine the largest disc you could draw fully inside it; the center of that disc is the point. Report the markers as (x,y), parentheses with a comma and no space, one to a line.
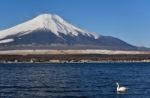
(6,41)
(53,23)
(50,31)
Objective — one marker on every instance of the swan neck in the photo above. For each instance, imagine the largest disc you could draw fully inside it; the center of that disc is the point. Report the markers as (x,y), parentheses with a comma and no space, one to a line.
(117,85)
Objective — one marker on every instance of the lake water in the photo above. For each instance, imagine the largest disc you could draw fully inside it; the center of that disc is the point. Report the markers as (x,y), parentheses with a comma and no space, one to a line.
(74,80)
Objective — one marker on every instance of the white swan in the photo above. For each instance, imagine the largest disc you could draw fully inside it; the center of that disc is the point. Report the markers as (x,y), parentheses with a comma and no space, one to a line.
(121,89)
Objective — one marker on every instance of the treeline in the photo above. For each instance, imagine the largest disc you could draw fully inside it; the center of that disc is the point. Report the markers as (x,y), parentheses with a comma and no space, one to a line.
(74,57)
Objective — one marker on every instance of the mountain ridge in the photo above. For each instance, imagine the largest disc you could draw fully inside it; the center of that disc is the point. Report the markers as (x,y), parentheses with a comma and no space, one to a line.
(54,23)
(51,29)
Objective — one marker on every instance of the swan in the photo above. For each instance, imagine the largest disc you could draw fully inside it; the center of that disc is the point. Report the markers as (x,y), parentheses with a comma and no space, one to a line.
(121,89)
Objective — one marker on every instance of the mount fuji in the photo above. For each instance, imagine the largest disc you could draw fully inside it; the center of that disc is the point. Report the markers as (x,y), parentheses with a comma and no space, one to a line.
(50,31)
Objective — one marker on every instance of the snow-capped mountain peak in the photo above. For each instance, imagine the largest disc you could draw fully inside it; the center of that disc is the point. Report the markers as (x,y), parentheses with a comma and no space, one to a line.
(58,25)
(53,23)
(51,31)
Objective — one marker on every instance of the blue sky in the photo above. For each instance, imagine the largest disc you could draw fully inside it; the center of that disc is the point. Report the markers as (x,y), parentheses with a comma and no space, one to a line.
(128,20)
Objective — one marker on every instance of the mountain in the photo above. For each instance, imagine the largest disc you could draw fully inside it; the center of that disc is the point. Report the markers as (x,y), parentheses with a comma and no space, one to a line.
(48,31)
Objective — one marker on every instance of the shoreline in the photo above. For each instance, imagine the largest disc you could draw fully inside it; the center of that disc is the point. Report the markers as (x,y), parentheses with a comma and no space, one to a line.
(148,61)
(73,56)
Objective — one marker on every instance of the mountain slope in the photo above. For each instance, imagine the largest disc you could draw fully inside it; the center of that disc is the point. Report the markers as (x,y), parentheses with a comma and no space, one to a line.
(48,31)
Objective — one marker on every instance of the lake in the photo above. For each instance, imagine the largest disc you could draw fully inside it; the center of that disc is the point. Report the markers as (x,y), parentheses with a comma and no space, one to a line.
(89,80)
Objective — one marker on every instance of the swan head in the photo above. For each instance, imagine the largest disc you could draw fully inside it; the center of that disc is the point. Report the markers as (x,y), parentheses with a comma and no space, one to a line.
(117,83)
